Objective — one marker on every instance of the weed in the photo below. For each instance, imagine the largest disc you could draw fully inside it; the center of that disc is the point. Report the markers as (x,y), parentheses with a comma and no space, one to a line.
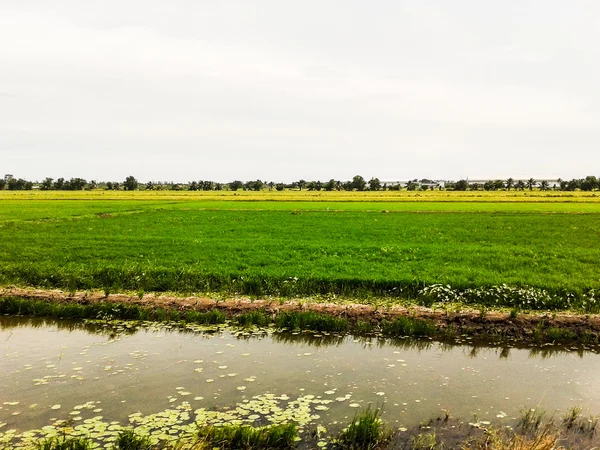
(129,440)
(425,441)
(365,432)
(64,443)
(531,419)
(408,326)
(244,437)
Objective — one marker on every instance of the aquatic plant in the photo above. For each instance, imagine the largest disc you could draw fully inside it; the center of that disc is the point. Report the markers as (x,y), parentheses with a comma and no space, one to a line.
(365,432)
(252,318)
(245,437)
(64,443)
(408,326)
(425,441)
(310,320)
(129,440)
(531,419)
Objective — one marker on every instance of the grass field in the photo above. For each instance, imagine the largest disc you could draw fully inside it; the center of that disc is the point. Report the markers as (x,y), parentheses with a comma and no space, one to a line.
(303,244)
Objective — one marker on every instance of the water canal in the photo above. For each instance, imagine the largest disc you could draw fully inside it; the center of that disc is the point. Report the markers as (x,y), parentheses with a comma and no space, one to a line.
(96,379)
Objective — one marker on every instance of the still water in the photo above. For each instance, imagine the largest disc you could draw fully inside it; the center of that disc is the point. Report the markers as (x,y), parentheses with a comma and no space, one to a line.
(162,380)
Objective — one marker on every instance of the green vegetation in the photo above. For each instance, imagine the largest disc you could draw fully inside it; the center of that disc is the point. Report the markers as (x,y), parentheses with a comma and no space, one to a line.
(365,432)
(408,326)
(245,437)
(129,440)
(65,443)
(527,255)
(311,321)
(105,311)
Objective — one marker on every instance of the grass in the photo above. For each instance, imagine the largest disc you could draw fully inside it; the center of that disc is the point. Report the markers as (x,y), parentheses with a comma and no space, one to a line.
(105,311)
(65,443)
(308,244)
(129,440)
(311,321)
(425,441)
(531,419)
(274,437)
(365,432)
(408,326)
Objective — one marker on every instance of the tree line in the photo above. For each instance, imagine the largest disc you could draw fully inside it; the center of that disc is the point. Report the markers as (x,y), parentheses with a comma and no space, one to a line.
(358,183)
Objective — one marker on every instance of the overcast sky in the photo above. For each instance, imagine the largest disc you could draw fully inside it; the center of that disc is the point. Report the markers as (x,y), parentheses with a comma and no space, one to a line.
(279,90)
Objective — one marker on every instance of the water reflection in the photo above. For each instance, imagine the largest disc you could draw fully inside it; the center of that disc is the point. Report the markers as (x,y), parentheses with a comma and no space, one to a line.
(115,328)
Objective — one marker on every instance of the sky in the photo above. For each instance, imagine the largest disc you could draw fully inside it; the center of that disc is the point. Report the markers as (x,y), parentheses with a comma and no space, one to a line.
(275,90)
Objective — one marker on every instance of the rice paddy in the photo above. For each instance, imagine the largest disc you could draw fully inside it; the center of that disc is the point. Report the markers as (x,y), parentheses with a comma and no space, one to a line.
(327,246)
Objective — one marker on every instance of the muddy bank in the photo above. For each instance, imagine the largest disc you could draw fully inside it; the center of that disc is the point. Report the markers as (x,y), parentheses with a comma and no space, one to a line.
(450,320)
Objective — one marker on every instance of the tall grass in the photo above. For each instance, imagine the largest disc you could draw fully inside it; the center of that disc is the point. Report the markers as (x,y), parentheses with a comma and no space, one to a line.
(130,440)
(65,443)
(274,437)
(366,431)
(104,310)
(311,321)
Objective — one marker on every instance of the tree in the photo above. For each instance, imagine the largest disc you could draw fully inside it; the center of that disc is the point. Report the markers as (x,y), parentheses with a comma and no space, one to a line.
(461,185)
(20,184)
(76,184)
(279,187)
(374,184)
(130,184)
(254,185)
(509,184)
(150,186)
(193,186)
(301,184)
(520,185)
(411,186)
(235,185)
(589,184)
(330,185)
(359,183)
(530,184)
(544,185)
(2,184)
(46,184)
(498,184)
(59,184)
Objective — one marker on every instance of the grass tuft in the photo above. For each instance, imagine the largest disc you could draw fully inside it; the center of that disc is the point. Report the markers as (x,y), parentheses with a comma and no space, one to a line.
(64,443)
(129,440)
(365,432)
(244,437)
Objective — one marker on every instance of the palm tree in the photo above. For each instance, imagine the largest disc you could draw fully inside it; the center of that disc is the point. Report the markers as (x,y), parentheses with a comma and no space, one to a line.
(510,183)
(530,184)
(544,185)
(520,185)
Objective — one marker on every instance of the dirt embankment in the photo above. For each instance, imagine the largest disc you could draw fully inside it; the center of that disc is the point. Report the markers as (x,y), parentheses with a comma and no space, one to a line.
(471,322)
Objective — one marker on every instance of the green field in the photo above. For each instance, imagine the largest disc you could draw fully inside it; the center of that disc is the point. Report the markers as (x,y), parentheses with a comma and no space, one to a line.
(328,245)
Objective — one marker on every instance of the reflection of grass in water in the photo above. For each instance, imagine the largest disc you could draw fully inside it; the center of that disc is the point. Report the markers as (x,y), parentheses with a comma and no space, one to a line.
(365,432)
(245,437)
